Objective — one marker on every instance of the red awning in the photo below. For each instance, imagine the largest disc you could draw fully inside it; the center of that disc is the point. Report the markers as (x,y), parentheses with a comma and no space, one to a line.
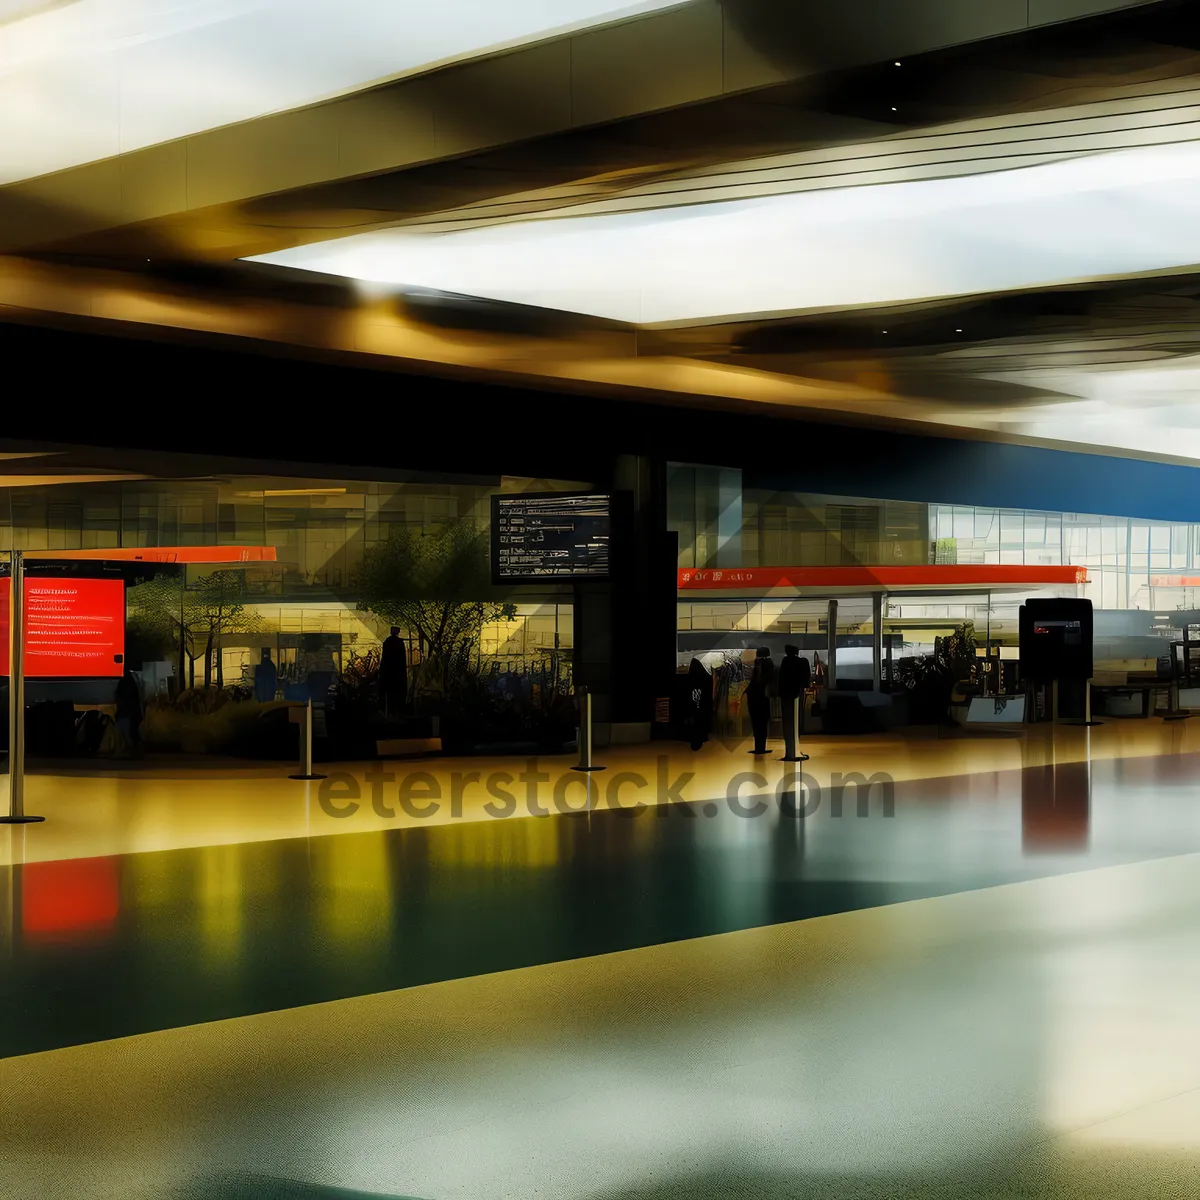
(833,579)
(161,554)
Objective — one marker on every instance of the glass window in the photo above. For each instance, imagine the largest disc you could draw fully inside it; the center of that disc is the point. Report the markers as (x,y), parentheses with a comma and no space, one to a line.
(1179,546)
(1012,529)
(1035,529)
(987,525)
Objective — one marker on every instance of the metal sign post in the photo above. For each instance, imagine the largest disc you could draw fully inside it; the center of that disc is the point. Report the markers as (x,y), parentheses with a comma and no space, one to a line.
(16,697)
(585,733)
(306,745)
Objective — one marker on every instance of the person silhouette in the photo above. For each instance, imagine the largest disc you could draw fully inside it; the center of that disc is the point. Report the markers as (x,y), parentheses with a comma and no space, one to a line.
(794,678)
(758,697)
(129,711)
(700,707)
(266,679)
(393,673)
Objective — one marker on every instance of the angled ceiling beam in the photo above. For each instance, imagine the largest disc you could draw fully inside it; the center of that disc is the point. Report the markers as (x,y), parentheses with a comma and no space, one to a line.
(190,193)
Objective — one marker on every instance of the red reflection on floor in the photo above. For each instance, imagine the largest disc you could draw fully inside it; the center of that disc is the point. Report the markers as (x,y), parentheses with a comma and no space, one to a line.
(63,899)
(1055,807)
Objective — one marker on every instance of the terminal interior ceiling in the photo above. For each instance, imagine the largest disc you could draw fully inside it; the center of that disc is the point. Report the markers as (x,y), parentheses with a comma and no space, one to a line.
(680,203)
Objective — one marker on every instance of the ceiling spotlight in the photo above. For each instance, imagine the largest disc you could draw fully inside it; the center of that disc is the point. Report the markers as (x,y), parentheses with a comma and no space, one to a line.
(958,331)
(897,64)
(893,108)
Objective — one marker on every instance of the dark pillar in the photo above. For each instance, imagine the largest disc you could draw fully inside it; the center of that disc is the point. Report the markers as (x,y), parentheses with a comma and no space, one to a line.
(625,630)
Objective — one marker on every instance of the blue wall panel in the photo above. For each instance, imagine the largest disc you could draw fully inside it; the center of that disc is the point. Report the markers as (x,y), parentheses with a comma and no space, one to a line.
(892,466)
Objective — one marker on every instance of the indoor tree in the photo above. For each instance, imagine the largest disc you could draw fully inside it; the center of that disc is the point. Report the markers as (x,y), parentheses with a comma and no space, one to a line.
(193,618)
(437,584)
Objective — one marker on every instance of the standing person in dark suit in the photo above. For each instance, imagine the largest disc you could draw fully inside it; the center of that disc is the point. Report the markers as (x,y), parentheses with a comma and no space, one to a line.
(758,697)
(700,710)
(129,711)
(266,679)
(393,673)
(794,678)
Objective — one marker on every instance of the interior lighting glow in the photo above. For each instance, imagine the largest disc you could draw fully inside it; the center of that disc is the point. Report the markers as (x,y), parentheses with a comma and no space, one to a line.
(1107,215)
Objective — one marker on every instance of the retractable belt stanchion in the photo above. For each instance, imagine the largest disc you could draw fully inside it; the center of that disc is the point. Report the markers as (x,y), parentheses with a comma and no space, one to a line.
(796,710)
(1087,707)
(16,698)
(585,733)
(306,742)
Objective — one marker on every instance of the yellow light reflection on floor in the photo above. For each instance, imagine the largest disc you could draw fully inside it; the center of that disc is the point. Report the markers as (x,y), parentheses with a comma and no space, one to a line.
(220,903)
(178,803)
(353,883)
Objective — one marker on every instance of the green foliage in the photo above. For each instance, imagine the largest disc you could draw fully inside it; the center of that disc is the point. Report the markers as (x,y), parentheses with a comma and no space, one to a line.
(930,678)
(163,612)
(438,585)
(358,686)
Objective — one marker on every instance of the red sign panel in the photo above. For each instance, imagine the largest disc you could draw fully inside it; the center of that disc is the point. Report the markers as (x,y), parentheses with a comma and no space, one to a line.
(73,627)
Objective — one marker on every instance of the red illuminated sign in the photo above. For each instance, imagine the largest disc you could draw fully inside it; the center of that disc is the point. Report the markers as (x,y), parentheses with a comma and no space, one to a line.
(73,627)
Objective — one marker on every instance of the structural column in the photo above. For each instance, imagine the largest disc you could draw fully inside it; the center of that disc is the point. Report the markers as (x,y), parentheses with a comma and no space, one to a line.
(877,641)
(831,647)
(16,696)
(625,628)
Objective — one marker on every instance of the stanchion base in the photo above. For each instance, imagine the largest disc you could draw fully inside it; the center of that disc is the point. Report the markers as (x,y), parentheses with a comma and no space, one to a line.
(760,753)
(798,758)
(1080,724)
(1177,717)
(308,776)
(20,820)
(589,768)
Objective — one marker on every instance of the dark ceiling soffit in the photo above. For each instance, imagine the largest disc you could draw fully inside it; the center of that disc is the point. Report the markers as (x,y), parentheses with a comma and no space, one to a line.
(461,422)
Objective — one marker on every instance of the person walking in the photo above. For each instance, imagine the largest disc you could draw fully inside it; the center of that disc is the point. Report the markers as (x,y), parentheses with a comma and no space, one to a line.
(758,697)
(794,678)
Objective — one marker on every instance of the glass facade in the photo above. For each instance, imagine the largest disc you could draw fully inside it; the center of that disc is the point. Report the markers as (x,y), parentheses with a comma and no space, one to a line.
(1131,563)
(303,606)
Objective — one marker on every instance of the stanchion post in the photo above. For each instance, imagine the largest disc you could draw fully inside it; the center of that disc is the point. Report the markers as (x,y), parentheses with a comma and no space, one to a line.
(1174,712)
(16,697)
(306,742)
(797,702)
(585,733)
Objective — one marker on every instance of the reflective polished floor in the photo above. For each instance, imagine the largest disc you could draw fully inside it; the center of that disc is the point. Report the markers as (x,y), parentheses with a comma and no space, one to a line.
(977,977)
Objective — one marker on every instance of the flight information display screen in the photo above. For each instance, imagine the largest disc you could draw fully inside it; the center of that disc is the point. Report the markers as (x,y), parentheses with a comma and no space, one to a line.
(550,536)
(74,628)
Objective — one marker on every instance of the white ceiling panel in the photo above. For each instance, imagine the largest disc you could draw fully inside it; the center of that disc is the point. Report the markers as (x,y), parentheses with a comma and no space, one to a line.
(1104,215)
(82,80)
